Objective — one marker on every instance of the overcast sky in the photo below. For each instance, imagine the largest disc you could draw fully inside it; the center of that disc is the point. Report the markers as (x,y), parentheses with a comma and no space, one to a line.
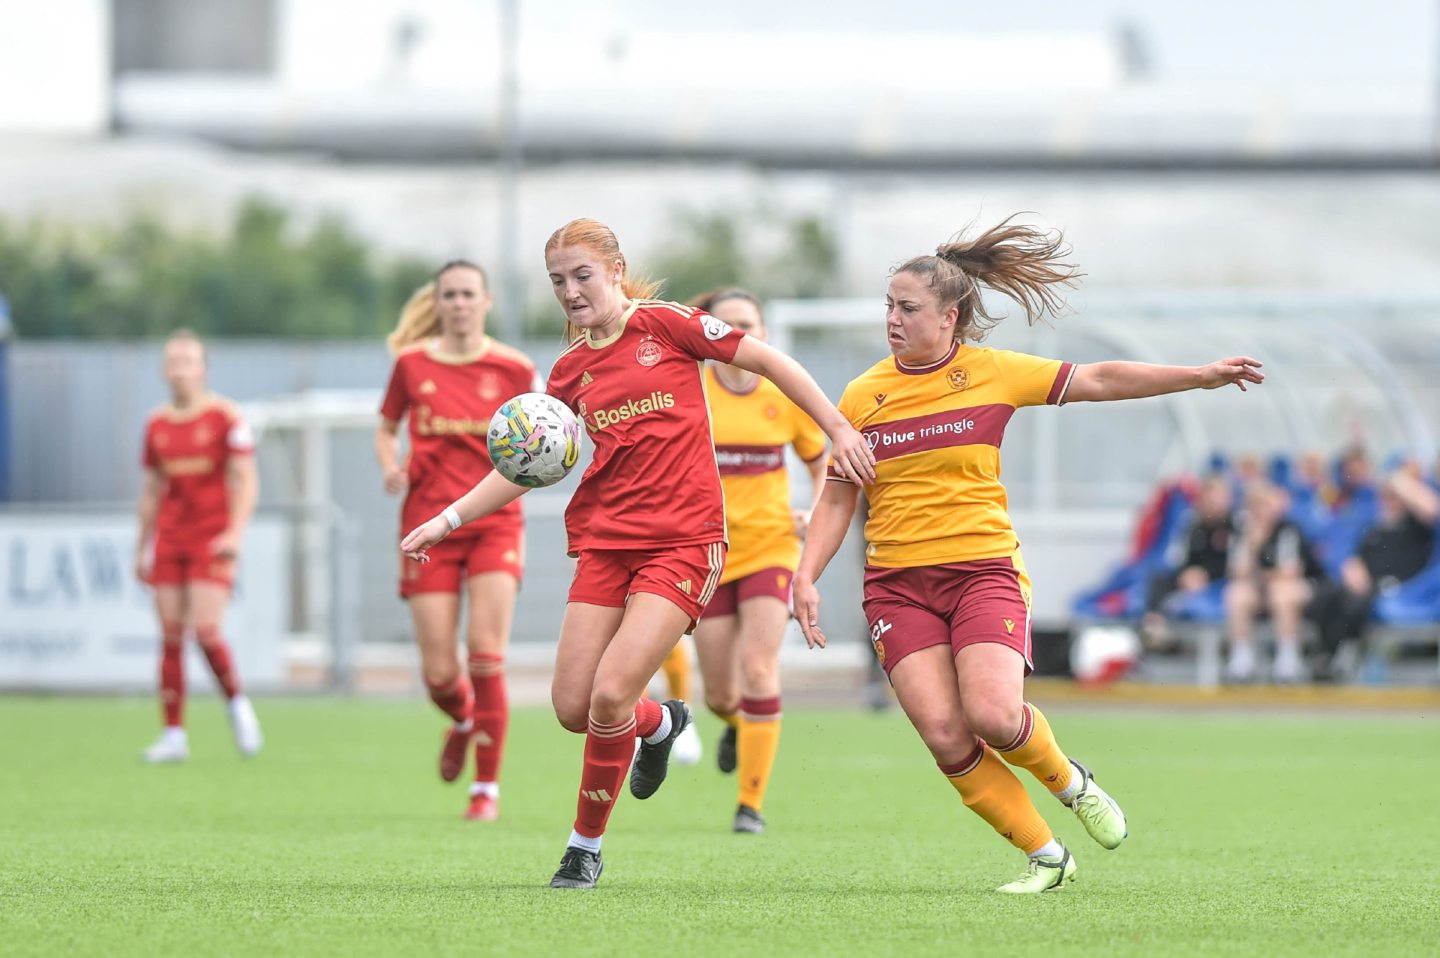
(1190,39)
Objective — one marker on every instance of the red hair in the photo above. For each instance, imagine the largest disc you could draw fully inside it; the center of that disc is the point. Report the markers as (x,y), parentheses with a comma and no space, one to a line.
(596,236)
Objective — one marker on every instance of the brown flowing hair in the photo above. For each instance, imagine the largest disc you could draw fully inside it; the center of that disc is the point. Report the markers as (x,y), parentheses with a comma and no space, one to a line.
(595,235)
(419,318)
(1022,262)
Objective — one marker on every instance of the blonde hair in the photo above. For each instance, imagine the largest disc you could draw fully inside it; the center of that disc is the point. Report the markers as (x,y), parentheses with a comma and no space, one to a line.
(595,235)
(1024,263)
(419,319)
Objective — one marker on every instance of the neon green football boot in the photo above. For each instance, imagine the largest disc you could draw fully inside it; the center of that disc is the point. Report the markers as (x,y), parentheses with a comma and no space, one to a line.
(1097,811)
(1043,873)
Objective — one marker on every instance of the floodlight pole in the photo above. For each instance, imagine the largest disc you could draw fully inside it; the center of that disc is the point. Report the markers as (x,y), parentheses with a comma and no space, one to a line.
(511,152)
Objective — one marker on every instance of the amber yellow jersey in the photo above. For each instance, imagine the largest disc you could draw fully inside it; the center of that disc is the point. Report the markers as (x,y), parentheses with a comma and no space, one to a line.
(936,431)
(751,430)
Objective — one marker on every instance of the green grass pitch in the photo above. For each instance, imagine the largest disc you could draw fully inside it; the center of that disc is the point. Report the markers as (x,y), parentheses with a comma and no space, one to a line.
(1250,835)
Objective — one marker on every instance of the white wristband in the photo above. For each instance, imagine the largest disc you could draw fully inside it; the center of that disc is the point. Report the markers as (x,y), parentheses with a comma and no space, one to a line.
(452,517)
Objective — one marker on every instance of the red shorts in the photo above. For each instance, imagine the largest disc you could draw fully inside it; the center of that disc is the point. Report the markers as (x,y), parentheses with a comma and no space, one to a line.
(686,575)
(961,603)
(774,582)
(177,563)
(455,560)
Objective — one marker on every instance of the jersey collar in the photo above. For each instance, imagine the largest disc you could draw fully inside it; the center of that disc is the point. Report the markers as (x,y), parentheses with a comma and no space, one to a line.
(930,367)
(619,328)
(710,368)
(432,350)
(172,414)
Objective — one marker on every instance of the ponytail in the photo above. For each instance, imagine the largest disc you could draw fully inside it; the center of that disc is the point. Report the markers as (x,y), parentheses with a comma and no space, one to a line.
(595,235)
(1022,262)
(419,319)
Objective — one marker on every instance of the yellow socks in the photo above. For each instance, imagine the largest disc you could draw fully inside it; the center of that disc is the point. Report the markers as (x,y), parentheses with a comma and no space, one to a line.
(1035,750)
(757,742)
(991,790)
(677,671)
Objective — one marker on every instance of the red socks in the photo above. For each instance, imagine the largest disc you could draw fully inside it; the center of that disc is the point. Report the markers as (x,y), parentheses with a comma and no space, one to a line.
(217,653)
(608,751)
(454,698)
(172,673)
(648,715)
(491,712)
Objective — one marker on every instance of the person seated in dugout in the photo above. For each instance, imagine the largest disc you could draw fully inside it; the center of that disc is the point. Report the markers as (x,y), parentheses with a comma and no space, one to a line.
(1395,548)
(1273,571)
(1207,553)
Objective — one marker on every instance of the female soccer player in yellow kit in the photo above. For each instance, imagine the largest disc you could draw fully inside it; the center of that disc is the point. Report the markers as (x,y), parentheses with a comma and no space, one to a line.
(739,634)
(946,595)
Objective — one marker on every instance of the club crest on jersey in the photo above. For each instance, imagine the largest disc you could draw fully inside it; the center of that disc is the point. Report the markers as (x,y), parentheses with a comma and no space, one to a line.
(428,388)
(648,353)
(958,378)
(715,328)
(488,387)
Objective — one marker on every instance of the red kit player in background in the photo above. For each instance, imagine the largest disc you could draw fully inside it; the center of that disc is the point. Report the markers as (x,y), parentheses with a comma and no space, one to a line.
(448,380)
(647,521)
(197,496)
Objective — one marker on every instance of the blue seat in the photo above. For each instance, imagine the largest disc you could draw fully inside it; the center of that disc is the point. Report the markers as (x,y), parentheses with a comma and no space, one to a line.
(1121,596)
(1206,606)
(1415,601)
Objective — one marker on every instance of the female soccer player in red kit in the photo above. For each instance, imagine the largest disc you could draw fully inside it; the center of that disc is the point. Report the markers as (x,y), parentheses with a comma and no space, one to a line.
(448,380)
(647,521)
(198,494)
(946,594)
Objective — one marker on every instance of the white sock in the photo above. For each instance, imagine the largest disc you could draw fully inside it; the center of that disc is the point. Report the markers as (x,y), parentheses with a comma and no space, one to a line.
(174,733)
(465,726)
(580,841)
(1068,793)
(1051,849)
(663,732)
(488,788)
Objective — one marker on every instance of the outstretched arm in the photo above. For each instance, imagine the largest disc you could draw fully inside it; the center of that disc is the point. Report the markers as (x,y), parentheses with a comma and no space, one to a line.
(851,454)
(490,494)
(1104,382)
(828,525)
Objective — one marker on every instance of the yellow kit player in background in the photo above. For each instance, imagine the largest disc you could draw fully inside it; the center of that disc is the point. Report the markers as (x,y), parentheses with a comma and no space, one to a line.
(739,635)
(946,594)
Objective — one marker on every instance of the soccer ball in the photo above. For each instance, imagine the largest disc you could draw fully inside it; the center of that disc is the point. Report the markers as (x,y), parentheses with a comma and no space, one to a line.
(534,440)
(1101,654)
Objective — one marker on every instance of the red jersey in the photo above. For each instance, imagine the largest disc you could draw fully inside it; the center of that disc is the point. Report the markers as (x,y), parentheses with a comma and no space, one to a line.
(449,401)
(652,480)
(191,449)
